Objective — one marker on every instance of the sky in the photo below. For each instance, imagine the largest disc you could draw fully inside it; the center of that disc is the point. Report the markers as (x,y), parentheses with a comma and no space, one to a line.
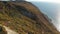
(51,8)
(53,1)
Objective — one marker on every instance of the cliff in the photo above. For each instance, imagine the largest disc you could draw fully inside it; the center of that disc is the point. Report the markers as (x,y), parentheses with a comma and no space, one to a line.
(25,18)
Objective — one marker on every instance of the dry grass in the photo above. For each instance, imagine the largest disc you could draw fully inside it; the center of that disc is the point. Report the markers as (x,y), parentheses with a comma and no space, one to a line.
(20,22)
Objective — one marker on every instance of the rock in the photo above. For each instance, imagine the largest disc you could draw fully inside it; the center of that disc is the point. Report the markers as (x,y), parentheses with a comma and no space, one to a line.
(2,30)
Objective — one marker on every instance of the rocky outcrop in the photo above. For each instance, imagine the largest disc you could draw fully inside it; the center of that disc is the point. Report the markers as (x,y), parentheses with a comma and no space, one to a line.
(2,30)
(25,18)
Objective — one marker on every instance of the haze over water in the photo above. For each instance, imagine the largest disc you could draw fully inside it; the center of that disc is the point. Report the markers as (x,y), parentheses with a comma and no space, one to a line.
(52,10)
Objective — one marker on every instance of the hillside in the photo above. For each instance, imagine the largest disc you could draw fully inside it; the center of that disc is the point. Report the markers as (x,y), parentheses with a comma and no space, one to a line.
(25,18)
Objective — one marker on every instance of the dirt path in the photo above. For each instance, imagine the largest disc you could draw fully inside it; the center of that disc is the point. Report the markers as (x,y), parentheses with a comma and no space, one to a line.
(10,31)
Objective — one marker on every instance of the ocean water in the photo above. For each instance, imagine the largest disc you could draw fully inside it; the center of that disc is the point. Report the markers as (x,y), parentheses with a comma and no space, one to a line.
(52,10)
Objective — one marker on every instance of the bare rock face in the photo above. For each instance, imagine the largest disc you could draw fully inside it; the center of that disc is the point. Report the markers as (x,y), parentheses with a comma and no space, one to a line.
(25,18)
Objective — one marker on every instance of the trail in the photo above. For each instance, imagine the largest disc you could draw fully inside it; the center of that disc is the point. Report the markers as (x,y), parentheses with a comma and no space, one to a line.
(9,31)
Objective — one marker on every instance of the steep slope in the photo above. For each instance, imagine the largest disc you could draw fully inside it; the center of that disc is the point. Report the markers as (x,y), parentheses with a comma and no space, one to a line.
(25,18)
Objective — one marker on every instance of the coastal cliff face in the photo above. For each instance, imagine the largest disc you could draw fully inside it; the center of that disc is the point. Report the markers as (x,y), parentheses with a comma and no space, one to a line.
(25,18)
